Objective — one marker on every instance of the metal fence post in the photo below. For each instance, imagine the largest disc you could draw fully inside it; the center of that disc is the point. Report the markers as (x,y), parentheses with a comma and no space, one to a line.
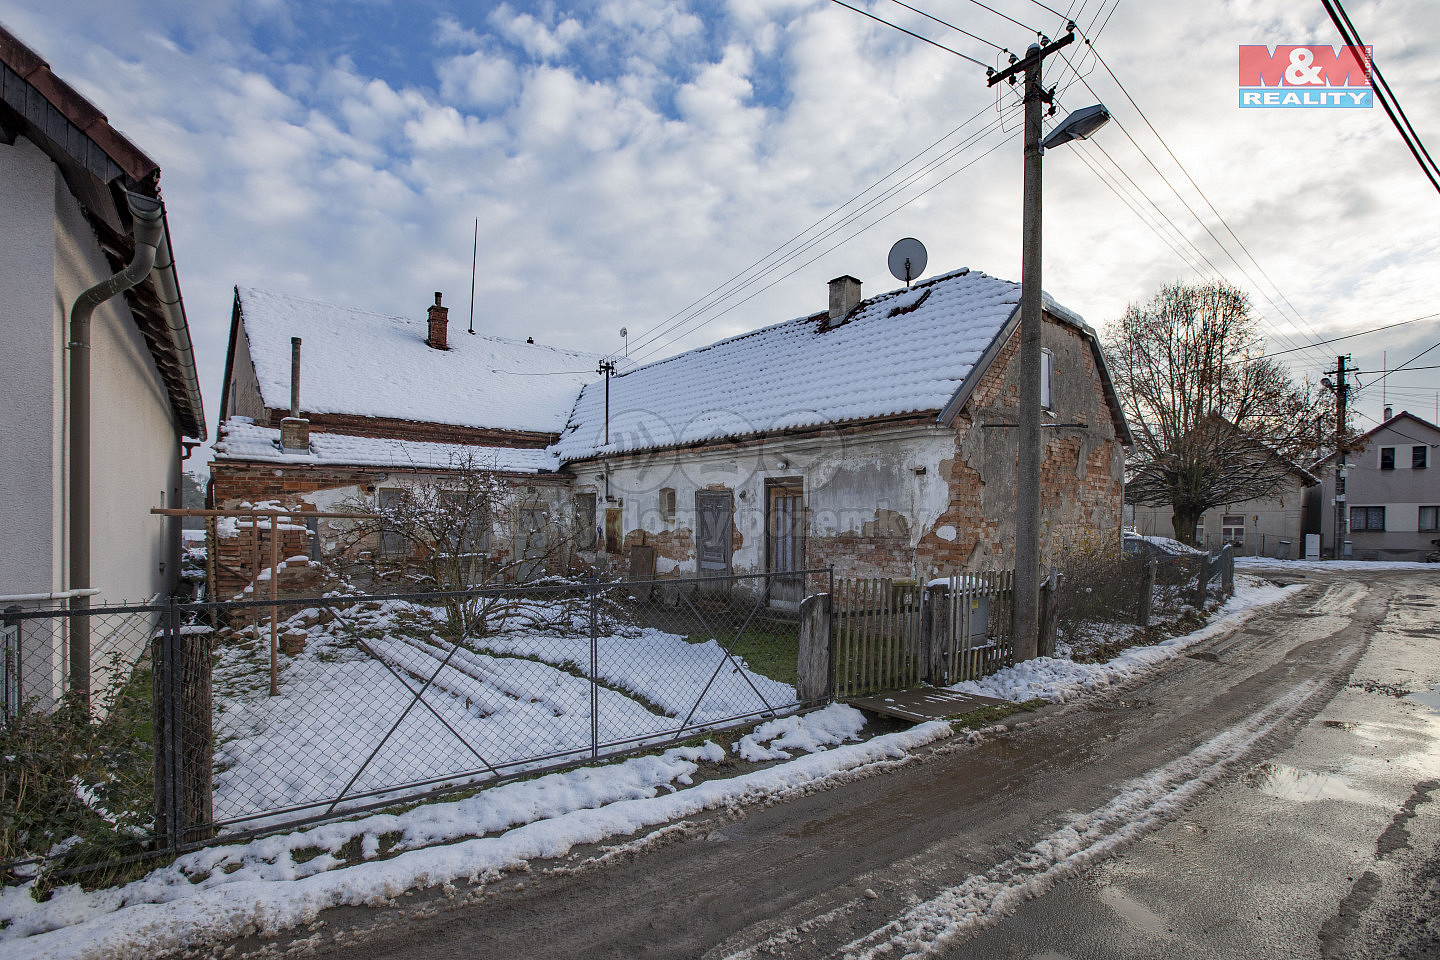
(177,726)
(1202,579)
(594,671)
(1049,614)
(1227,569)
(1147,592)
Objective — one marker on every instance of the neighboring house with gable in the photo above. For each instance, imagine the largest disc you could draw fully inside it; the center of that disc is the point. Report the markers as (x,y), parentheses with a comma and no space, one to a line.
(877,436)
(382,402)
(66,224)
(1272,525)
(1389,494)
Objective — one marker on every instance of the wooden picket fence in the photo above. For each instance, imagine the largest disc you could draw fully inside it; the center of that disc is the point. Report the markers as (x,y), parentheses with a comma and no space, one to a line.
(895,634)
(975,637)
(877,635)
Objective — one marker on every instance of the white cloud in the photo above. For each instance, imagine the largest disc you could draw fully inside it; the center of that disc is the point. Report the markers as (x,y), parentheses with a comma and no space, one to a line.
(539,40)
(626,157)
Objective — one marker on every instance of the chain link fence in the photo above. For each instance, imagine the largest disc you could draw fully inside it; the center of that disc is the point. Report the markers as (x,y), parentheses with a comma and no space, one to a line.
(244,717)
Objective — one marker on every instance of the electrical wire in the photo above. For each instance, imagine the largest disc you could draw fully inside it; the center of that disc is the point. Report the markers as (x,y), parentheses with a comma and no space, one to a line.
(1218,216)
(1407,364)
(1385,95)
(843,241)
(756,271)
(1362,333)
(896,26)
(952,26)
(999,143)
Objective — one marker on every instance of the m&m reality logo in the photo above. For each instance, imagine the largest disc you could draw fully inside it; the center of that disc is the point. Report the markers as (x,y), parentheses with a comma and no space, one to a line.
(1309,76)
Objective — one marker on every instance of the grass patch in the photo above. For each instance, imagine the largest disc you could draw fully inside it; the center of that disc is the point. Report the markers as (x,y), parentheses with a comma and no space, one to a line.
(987,716)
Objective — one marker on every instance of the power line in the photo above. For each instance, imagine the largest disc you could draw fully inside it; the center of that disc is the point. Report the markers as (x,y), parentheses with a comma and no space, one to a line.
(1383,93)
(999,143)
(896,26)
(952,26)
(1407,364)
(1006,16)
(1188,208)
(1218,216)
(1349,336)
(756,271)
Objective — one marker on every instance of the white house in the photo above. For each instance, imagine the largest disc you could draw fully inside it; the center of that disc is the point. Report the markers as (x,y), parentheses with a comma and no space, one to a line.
(67,223)
(1388,499)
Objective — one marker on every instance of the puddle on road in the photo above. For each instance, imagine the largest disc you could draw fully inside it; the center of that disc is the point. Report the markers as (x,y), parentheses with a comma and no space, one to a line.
(1431,699)
(1291,783)
(1135,913)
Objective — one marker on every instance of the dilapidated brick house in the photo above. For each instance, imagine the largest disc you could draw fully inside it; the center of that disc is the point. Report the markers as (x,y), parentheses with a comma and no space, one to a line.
(360,404)
(877,436)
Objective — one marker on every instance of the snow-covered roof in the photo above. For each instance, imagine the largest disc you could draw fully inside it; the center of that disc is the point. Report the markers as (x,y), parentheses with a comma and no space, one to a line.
(242,439)
(369,364)
(902,352)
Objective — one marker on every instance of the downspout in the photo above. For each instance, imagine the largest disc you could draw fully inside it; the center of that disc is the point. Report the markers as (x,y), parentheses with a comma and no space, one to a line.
(148,216)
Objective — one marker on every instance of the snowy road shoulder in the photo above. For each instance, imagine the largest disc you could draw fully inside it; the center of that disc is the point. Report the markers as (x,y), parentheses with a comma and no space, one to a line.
(228,892)
(1059,680)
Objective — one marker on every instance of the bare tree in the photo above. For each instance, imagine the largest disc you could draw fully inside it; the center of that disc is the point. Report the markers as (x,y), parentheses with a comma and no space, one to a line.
(465,530)
(1215,422)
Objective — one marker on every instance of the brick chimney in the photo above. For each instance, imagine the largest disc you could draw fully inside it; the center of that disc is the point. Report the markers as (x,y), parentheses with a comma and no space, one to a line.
(295,429)
(844,296)
(439,322)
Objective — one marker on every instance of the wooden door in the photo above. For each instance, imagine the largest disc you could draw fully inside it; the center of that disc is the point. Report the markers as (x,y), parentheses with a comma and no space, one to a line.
(785,516)
(714,521)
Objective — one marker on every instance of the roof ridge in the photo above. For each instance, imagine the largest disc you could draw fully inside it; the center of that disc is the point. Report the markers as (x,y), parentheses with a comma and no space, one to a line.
(390,316)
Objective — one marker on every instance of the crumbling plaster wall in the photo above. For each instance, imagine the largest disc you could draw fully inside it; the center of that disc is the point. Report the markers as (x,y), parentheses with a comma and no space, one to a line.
(1082,472)
(868,495)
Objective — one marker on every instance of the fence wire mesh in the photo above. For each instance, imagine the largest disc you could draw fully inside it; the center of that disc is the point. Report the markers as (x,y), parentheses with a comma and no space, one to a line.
(77,785)
(238,721)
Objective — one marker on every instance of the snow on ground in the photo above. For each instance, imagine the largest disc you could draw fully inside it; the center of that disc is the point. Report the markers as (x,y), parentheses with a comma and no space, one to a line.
(519,700)
(1059,680)
(1332,566)
(278,883)
(268,890)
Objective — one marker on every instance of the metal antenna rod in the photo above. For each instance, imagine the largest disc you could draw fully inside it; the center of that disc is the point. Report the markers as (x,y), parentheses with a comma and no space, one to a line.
(474,251)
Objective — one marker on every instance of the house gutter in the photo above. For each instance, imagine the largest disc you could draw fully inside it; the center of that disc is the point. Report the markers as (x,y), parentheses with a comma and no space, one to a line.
(148,215)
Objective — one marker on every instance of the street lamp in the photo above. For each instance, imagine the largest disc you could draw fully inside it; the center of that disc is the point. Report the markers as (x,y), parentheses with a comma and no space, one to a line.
(1077,126)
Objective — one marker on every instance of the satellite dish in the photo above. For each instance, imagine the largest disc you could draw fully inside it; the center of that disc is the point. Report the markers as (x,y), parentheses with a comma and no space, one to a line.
(907,259)
(624,332)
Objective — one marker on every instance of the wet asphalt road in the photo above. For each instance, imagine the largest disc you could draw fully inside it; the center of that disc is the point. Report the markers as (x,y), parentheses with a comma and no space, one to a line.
(1273,794)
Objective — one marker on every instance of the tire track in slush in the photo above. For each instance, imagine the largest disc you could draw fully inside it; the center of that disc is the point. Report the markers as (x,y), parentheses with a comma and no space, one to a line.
(1142,805)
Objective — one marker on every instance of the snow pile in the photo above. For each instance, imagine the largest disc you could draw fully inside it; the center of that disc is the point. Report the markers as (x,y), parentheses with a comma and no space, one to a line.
(1059,680)
(195,901)
(1168,545)
(1333,566)
(812,733)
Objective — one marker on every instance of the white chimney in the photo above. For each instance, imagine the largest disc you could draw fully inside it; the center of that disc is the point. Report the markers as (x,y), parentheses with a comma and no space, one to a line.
(844,296)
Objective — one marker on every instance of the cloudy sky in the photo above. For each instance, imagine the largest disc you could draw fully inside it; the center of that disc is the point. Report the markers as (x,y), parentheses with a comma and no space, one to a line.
(689,170)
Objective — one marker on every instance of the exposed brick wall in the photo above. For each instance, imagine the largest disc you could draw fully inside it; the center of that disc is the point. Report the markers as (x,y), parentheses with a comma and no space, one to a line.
(389,427)
(1081,490)
(240,559)
(853,555)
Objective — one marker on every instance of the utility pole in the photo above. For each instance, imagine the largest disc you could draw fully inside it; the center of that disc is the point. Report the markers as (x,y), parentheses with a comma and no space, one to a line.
(1027,497)
(606,367)
(1342,390)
